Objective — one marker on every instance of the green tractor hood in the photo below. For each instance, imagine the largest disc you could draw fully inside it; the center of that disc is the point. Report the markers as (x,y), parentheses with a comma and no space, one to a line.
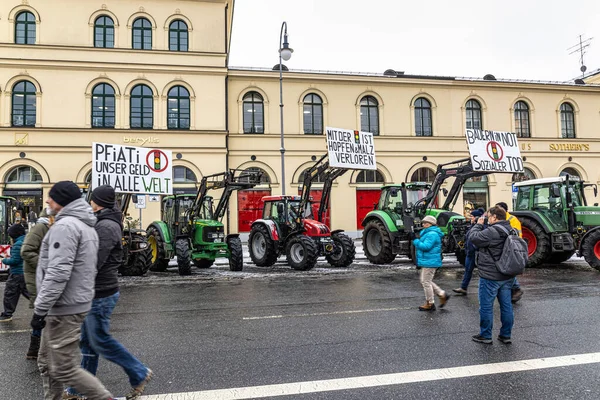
(588,215)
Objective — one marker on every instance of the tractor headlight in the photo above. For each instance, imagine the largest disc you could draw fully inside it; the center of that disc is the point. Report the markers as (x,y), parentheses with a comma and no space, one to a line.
(143,245)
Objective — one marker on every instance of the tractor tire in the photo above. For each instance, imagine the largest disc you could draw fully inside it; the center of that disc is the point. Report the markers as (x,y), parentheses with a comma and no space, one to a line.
(538,242)
(262,247)
(138,264)
(345,251)
(184,259)
(203,263)
(557,258)
(591,249)
(461,257)
(236,260)
(158,260)
(301,253)
(377,243)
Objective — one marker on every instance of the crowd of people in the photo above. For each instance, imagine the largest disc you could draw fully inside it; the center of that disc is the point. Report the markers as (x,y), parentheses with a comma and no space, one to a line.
(67,267)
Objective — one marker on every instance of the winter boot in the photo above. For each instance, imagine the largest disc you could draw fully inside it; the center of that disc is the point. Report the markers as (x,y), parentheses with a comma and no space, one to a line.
(34,348)
(427,307)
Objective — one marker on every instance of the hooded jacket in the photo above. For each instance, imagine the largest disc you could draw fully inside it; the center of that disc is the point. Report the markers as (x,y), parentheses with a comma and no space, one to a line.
(110,252)
(15,262)
(489,242)
(67,262)
(429,247)
(31,251)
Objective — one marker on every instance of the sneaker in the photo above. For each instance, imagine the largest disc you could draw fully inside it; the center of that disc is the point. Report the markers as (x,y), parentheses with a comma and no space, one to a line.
(427,307)
(481,339)
(137,391)
(504,339)
(444,300)
(516,295)
(5,318)
(460,291)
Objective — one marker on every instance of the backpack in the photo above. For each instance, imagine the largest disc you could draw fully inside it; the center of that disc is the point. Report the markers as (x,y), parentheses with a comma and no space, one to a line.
(514,254)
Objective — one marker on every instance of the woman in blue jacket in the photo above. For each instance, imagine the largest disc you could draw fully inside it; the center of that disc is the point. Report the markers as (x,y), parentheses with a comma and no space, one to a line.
(429,258)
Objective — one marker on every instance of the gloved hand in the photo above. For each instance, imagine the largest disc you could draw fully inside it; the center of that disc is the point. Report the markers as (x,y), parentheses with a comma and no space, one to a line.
(412,235)
(38,322)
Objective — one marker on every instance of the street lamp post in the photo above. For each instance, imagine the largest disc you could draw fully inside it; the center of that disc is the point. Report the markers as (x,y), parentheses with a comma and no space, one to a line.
(285,53)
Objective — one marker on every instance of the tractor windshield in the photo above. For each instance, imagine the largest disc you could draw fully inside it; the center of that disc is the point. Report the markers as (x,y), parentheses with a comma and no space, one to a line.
(390,198)
(293,207)
(548,200)
(576,192)
(183,205)
(206,208)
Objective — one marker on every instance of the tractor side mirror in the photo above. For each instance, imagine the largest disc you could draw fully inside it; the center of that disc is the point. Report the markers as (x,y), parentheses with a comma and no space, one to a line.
(555,190)
(595,191)
(134,198)
(445,191)
(169,203)
(374,206)
(394,192)
(280,209)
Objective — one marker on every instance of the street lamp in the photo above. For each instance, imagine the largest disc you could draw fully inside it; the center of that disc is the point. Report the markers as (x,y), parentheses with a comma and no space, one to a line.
(285,53)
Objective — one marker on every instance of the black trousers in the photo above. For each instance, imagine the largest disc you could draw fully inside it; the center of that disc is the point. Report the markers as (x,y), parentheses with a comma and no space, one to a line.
(15,287)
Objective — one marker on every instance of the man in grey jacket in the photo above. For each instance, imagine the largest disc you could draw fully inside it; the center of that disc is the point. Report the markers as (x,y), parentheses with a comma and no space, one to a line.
(65,281)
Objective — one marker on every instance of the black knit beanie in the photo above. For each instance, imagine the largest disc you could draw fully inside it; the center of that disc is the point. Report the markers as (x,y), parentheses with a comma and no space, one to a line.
(65,192)
(16,230)
(104,196)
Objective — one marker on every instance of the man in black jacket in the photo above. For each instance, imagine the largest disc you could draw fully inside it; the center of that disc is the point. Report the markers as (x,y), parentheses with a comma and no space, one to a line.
(96,339)
(492,284)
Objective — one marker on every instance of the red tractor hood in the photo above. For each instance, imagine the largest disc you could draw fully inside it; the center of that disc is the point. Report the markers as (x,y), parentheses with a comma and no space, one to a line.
(316,228)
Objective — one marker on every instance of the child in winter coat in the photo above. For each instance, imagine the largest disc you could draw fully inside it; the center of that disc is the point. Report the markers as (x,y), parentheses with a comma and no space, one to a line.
(429,258)
(15,284)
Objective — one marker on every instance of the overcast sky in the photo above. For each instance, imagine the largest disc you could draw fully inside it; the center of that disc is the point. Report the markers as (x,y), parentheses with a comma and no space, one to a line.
(516,39)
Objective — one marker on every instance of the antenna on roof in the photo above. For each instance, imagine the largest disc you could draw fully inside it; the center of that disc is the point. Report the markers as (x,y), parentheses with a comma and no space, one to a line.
(581,48)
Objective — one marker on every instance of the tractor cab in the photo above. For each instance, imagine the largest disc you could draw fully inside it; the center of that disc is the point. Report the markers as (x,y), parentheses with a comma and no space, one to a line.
(175,210)
(286,212)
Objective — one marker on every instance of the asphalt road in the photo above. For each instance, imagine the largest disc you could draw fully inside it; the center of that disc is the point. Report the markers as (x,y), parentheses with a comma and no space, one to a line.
(218,330)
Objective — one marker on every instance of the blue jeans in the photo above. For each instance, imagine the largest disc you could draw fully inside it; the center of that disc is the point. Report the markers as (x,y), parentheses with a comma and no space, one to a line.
(516,285)
(97,341)
(469,267)
(488,291)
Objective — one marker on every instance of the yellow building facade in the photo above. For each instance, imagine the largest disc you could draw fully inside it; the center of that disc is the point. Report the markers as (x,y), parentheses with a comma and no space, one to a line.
(157,76)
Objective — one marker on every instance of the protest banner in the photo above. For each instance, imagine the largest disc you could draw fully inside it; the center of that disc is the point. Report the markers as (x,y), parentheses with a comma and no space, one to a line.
(493,151)
(350,149)
(131,169)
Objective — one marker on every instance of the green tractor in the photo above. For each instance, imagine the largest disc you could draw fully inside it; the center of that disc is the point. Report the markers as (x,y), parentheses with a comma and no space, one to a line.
(6,220)
(401,207)
(191,227)
(557,222)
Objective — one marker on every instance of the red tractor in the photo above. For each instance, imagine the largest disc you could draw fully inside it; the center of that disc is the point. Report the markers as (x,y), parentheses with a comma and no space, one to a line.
(289,227)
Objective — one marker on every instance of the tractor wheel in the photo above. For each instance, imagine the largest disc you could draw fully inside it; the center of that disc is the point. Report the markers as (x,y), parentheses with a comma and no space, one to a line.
(344,251)
(203,263)
(158,260)
(377,243)
(236,260)
(184,259)
(461,256)
(557,258)
(538,242)
(591,249)
(138,264)
(301,253)
(262,247)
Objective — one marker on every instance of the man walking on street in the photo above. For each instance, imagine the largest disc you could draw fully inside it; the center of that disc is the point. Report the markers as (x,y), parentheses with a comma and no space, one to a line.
(517,293)
(96,339)
(65,283)
(15,284)
(492,284)
(470,251)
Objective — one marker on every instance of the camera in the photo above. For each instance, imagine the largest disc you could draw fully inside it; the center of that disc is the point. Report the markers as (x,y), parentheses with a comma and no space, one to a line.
(485,220)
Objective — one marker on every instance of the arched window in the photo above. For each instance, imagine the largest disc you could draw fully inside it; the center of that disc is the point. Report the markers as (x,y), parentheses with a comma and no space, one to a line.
(570,172)
(24,174)
(141,108)
(264,178)
(423,124)
(319,179)
(103,106)
(104,32)
(183,175)
(142,34)
(525,176)
(567,121)
(313,114)
(369,115)
(23,104)
(253,113)
(25,28)
(423,175)
(178,108)
(178,36)
(474,120)
(370,176)
(522,127)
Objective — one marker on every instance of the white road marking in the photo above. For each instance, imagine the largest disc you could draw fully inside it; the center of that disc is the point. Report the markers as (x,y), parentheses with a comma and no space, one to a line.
(326,313)
(16,331)
(360,382)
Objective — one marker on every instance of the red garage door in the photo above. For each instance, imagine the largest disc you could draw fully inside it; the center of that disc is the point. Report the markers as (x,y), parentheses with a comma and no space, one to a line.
(316,195)
(365,200)
(250,207)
